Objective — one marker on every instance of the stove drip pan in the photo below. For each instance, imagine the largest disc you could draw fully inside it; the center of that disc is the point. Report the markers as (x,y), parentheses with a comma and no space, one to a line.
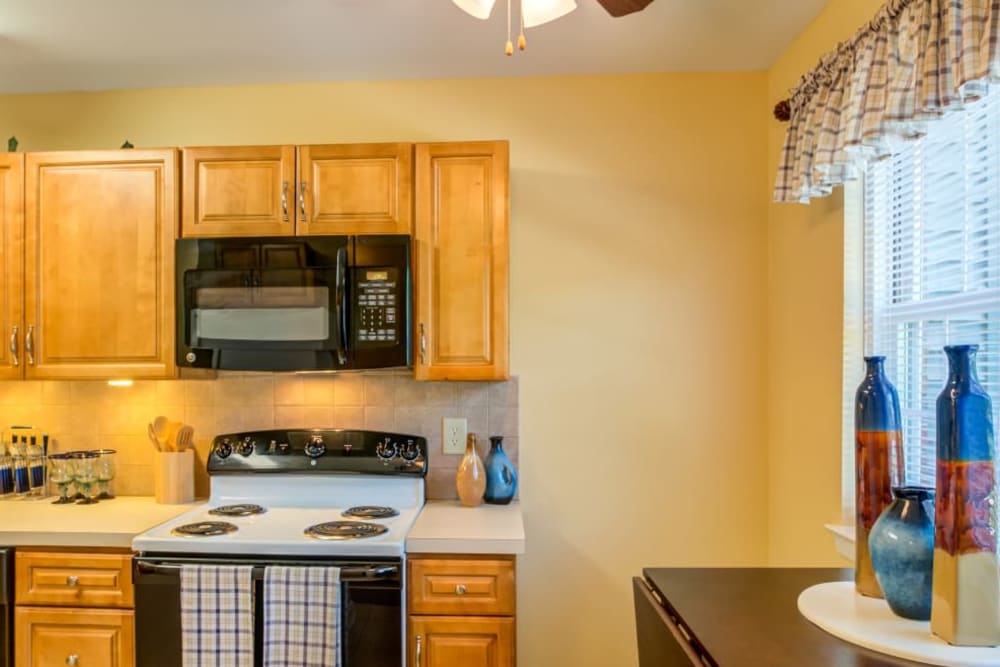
(345,530)
(204,529)
(371,512)
(244,509)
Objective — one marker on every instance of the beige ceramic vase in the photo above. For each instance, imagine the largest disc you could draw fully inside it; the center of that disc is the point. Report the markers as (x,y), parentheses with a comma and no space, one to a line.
(471,477)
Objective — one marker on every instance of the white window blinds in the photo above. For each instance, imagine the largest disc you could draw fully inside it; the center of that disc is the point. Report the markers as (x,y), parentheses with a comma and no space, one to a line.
(932,266)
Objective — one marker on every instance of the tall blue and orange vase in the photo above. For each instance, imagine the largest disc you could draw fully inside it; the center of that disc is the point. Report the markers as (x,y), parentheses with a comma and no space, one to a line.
(501,478)
(965,603)
(878,462)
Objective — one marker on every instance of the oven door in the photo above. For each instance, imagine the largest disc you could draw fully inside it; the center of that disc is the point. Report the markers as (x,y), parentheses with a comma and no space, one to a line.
(371,608)
(246,304)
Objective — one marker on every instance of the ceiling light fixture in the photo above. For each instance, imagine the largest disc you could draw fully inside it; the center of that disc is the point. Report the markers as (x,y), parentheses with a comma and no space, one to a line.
(533,13)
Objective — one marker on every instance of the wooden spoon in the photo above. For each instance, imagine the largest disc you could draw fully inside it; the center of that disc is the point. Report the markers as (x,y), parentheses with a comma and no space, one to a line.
(154,439)
(185,434)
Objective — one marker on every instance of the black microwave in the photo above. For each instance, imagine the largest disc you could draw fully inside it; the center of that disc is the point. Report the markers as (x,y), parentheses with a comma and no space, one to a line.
(293,303)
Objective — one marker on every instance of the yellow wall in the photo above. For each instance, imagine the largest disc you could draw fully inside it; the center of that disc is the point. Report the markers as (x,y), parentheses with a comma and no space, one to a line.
(638,266)
(805,310)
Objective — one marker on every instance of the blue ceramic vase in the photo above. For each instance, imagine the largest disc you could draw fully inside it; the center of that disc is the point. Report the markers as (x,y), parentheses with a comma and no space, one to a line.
(501,478)
(902,549)
(878,456)
(966,609)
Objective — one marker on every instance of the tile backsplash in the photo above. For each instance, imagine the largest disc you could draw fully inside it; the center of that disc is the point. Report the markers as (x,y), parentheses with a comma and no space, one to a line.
(91,414)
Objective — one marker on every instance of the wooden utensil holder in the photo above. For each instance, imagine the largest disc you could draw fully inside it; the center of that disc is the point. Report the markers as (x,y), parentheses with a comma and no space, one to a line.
(173,474)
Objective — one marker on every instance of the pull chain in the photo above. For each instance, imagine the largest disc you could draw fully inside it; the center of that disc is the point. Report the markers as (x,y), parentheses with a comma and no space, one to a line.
(521,41)
(509,48)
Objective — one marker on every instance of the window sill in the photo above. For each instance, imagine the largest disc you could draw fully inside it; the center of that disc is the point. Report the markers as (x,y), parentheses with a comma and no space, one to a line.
(843,539)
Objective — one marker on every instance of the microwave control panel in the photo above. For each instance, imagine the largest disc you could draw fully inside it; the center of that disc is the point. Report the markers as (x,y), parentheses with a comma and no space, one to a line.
(377,303)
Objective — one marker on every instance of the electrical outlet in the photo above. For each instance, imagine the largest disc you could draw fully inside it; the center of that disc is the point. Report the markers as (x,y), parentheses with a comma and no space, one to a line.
(454,430)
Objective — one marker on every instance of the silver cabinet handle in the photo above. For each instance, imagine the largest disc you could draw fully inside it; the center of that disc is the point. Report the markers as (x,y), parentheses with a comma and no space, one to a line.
(460,589)
(284,201)
(423,345)
(72,580)
(29,344)
(420,652)
(302,198)
(72,659)
(14,361)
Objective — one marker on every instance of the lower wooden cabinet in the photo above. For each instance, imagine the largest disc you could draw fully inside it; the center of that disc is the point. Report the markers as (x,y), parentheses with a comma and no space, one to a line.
(48,637)
(73,608)
(460,611)
(462,641)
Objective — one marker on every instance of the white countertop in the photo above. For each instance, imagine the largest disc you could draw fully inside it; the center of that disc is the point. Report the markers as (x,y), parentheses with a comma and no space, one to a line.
(108,523)
(445,527)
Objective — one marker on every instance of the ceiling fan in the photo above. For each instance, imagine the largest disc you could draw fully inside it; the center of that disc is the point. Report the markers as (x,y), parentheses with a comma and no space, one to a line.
(537,12)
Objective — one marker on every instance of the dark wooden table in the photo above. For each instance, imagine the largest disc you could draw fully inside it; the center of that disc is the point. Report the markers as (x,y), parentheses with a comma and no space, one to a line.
(749,618)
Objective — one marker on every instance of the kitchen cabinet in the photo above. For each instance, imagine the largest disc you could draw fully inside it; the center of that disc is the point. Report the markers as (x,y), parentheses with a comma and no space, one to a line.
(99,231)
(73,609)
(285,190)
(461,611)
(11,263)
(461,255)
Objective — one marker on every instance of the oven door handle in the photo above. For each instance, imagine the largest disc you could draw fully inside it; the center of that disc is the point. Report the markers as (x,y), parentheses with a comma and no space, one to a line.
(346,573)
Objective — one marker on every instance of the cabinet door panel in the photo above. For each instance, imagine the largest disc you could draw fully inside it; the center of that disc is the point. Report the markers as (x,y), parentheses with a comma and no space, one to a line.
(461,254)
(47,637)
(461,641)
(238,191)
(99,262)
(355,189)
(11,265)
(73,579)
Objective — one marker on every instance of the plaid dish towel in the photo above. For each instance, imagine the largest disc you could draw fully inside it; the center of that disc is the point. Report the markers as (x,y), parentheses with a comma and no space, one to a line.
(217,615)
(302,617)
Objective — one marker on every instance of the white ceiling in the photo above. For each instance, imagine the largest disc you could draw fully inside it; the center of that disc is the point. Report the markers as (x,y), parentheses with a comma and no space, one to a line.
(58,45)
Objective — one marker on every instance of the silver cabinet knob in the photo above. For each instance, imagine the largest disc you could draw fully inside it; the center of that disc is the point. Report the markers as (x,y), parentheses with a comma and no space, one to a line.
(72,580)
(460,589)
(72,659)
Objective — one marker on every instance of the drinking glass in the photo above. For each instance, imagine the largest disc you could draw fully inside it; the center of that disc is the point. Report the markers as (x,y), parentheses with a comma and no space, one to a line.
(61,474)
(84,475)
(105,472)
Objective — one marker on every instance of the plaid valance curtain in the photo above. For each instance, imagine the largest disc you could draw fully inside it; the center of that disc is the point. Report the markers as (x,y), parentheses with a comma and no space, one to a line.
(914,61)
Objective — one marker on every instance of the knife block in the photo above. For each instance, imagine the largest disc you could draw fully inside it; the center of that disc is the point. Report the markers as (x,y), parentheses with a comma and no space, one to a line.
(173,477)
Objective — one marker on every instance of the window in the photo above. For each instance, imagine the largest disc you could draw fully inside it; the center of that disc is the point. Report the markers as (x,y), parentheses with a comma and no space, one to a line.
(931,271)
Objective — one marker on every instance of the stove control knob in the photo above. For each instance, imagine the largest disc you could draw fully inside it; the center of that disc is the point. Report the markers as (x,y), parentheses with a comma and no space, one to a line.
(386,449)
(224,448)
(410,451)
(246,447)
(315,447)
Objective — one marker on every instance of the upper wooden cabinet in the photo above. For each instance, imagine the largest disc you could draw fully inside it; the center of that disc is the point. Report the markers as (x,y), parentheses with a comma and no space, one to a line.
(461,249)
(99,263)
(11,264)
(284,190)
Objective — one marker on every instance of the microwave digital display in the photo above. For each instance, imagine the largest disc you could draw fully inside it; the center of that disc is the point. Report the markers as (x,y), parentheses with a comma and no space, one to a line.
(376,275)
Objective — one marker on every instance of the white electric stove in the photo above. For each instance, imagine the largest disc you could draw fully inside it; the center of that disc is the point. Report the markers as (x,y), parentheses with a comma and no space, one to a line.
(301,497)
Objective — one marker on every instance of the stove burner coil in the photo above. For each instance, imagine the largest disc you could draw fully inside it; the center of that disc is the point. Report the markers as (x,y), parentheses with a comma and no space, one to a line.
(244,509)
(344,530)
(204,529)
(370,512)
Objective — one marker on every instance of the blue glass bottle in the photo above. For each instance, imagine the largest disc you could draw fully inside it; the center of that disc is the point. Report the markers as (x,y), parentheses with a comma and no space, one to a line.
(878,456)
(902,550)
(501,478)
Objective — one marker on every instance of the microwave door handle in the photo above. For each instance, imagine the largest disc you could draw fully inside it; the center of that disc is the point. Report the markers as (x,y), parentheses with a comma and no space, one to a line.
(341,305)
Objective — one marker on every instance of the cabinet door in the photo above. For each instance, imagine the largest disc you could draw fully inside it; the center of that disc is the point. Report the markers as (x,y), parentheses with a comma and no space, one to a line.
(461,641)
(238,191)
(11,265)
(99,264)
(355,189)
(45,637)
(461,242)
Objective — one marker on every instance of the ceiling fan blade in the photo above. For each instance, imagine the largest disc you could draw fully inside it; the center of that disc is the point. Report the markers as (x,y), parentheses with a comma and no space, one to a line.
(623,7)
